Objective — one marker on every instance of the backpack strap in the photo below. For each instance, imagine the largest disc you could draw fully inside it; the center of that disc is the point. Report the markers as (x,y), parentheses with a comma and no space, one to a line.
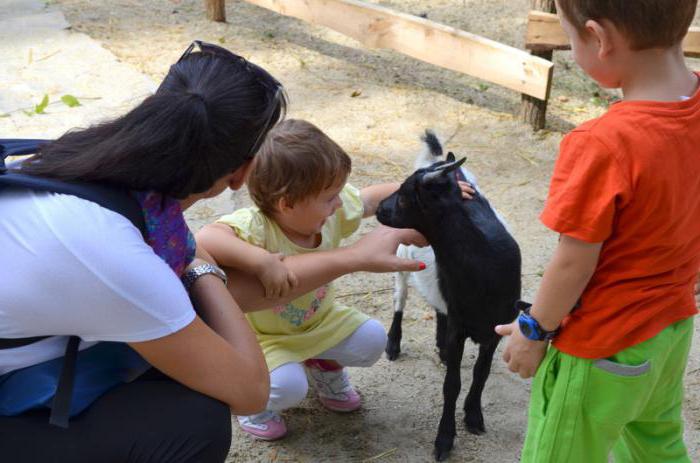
(60,406)
(109,197)
(113,198)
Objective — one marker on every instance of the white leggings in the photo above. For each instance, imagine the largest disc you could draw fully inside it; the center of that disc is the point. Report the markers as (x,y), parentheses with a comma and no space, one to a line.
(288,383)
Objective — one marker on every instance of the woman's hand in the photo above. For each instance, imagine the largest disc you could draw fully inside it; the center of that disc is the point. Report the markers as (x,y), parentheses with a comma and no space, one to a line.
(467,190)
(274,275)
(376,251)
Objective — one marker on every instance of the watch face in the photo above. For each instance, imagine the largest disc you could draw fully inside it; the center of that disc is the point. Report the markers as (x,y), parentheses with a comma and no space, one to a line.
(525,328)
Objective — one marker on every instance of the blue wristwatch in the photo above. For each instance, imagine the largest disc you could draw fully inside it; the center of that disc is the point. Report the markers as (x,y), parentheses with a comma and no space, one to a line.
(531,329)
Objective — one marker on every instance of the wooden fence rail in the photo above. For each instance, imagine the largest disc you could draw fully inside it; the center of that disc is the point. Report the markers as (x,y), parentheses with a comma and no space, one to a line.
(379,27)
(545,33)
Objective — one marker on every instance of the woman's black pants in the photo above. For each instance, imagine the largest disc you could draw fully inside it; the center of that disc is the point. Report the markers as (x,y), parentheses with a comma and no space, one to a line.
(153,419)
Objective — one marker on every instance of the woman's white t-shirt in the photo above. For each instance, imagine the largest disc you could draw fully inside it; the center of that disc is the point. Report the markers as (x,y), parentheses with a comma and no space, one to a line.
(71,267)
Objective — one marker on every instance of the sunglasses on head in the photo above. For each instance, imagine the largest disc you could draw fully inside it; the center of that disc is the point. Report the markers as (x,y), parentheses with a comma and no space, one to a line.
(278,102)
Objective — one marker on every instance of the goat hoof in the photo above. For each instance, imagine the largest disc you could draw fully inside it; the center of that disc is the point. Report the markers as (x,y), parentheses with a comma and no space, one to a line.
(475,424)
(442,450)
(442,353)
(392,352)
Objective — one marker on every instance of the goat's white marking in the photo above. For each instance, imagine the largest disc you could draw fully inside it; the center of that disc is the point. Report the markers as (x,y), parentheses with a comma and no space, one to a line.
(426,281)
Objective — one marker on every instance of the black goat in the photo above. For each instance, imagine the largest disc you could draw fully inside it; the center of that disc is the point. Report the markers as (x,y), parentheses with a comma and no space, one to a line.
(478,264)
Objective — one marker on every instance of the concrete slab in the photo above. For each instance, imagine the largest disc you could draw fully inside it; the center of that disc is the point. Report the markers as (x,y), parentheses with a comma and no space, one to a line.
(42,56)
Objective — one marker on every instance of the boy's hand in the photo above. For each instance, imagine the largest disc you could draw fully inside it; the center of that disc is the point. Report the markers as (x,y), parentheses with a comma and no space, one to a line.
(274,275)
(467,190)
(522,355)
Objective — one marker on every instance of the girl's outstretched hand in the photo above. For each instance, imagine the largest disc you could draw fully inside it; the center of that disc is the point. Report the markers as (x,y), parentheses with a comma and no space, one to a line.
(376,251)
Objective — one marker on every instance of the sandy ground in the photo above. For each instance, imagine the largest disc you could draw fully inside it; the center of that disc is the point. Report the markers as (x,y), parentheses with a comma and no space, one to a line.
(376,104)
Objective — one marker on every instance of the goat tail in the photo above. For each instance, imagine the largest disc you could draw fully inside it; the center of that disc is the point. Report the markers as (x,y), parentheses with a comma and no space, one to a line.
(431,152)
(433,143)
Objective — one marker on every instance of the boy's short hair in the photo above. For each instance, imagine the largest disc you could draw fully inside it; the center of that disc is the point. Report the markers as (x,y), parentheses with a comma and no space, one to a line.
(297,161)
(646,23)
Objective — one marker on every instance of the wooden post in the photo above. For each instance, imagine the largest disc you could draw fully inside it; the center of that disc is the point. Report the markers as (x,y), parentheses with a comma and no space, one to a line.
(533,110)
(216,10)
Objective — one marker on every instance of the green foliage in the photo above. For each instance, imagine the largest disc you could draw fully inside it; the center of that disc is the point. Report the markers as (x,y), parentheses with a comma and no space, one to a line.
(39,109)
(70,101)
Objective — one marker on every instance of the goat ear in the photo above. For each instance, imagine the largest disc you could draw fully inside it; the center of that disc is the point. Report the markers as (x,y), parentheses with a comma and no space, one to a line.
(452,166)
(432,176)
(450,157)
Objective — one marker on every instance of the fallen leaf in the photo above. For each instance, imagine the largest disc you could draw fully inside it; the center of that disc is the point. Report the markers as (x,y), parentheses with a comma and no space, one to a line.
(70,101)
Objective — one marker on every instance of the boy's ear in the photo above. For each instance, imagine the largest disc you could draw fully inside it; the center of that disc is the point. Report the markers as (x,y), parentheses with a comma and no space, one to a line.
(602,32)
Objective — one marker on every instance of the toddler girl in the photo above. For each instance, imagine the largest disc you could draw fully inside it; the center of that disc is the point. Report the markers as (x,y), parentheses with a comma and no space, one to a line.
(303,204)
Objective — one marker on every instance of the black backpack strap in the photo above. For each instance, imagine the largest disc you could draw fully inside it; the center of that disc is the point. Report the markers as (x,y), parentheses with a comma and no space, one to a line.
(11,343)
(60,406)
(112,198)
(115,199)
(18,147)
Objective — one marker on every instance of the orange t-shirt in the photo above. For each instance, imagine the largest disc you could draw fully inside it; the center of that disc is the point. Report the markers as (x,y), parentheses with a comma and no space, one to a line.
(631,179)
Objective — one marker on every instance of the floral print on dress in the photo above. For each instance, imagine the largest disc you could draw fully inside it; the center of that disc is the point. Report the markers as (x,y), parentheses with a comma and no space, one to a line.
(297,316)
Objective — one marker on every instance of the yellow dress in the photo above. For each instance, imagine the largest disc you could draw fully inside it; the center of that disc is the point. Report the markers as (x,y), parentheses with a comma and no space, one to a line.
(314,322)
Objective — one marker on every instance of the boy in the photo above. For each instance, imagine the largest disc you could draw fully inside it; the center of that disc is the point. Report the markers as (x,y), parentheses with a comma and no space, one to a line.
(617,296)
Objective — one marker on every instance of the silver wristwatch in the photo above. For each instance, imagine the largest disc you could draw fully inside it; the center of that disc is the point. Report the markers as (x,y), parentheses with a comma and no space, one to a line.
(191,275)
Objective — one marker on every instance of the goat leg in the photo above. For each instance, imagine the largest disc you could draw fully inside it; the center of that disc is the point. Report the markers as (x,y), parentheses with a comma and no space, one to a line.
(450,391)
(473,416)
(440,335)
(393,344)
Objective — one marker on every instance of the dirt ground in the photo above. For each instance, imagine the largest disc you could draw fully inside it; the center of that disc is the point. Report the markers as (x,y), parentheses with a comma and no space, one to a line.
(376,104)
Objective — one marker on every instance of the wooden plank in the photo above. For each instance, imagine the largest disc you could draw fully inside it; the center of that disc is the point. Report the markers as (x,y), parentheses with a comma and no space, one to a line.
(380,27)
(545,33)
(691,43)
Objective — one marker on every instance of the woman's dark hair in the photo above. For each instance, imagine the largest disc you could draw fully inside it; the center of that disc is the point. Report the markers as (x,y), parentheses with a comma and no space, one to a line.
(202,123)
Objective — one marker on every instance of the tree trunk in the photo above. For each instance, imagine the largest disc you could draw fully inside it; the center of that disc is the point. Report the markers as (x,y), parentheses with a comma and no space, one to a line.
(216,10)
(533,111)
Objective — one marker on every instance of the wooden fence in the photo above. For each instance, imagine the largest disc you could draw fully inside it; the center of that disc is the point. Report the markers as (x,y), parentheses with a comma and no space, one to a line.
(378,27)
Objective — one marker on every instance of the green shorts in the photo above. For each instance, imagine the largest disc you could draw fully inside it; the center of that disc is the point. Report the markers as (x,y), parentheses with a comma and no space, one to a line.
(630,404)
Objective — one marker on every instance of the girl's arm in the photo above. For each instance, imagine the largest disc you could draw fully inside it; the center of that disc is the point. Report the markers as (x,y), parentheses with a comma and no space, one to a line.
(565,278)
(372,195)
(228,250)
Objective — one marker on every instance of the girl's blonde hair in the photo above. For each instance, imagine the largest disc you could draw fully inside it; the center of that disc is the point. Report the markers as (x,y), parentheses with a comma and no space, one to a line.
(297,161)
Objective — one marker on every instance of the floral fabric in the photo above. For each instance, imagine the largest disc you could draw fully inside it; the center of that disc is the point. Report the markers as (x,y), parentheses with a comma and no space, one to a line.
(168,233)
